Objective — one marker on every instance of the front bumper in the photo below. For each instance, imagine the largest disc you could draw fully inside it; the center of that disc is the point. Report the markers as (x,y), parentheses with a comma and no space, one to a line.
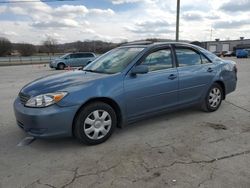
(52,121)
(51,65)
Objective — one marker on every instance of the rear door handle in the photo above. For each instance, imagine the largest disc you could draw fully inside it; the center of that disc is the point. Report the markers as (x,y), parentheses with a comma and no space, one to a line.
(210,69)
(172,76)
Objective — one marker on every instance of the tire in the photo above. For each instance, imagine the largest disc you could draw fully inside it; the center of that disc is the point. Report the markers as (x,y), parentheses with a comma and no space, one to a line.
(213,98)
(60,66)
(95,123)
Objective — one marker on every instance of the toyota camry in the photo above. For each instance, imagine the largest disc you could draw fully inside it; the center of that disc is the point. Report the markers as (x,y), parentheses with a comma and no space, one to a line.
(124,85)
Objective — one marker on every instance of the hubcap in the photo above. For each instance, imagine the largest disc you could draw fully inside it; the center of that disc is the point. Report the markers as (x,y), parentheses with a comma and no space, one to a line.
(214,97)
(97,124)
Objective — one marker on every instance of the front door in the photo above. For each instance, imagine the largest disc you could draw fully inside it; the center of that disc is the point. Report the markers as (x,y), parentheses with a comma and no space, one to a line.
(155,90)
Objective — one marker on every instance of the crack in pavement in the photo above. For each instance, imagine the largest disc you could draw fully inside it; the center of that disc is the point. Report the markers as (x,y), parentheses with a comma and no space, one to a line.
(73,179)
(235,105)
(40,183)
(46,184)
(202,161)
(147,169)
(147,178)
(157,174)
(76,175)
(160,146)
(220,139)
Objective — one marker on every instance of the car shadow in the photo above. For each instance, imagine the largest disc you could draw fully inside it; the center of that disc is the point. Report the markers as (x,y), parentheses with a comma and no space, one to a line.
(157,119)
(72,143)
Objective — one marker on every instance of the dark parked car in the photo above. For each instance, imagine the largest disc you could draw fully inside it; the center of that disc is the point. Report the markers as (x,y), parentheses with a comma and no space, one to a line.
(124,85)
(73,60)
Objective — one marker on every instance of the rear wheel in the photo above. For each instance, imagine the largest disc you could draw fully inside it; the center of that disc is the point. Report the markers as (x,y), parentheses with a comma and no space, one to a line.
(213,98)
(95,123)
(61,66)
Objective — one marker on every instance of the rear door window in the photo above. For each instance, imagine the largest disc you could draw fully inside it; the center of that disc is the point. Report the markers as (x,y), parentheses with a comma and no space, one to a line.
(86,55)
(204,59)
(187,57)
(74,56)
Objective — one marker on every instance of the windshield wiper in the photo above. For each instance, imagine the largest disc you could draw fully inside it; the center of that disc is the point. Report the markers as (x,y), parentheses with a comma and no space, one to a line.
(95,71)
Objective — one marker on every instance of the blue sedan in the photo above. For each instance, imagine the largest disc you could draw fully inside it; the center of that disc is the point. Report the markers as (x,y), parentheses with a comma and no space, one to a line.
(126,84)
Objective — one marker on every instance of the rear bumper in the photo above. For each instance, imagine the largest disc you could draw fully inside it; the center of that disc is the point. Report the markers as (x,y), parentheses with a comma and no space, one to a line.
(52,121)
(230,85)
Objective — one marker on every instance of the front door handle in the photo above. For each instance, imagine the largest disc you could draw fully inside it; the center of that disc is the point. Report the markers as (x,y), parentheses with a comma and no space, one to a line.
(210,69)
(172,76)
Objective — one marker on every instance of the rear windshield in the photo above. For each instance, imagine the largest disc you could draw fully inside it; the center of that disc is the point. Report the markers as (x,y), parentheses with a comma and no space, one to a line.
(209,55)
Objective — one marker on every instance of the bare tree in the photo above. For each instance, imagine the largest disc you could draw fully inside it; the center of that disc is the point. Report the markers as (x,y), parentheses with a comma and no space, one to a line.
(5,46)
(26,49)
(78,45)
(50,45)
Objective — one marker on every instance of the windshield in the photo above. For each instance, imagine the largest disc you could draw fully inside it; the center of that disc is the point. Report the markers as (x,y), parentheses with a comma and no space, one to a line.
(114,61)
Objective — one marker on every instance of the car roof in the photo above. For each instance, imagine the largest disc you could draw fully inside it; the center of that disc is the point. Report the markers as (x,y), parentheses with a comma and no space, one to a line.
(82,53)
(155,44)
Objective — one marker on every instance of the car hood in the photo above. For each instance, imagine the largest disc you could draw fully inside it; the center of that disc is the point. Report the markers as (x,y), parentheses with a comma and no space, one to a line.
(60,82)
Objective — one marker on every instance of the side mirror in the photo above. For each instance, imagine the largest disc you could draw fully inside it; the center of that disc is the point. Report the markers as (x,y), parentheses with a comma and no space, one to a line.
(140,69)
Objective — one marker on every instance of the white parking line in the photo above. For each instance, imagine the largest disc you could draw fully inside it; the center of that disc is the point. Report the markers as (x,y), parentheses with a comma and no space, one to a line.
(26,141)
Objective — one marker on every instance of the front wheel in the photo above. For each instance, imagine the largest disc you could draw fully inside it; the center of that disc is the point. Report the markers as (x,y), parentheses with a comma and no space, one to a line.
(95,123)
(60,66)
(213,98)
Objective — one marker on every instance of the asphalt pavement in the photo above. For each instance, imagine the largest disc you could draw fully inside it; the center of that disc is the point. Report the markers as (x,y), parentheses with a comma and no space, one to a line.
(187,148)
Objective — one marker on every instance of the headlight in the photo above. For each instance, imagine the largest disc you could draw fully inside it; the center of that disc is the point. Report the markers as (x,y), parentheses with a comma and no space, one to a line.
(45,99)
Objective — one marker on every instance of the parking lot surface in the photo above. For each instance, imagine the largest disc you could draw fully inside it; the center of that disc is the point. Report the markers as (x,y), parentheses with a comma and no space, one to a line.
(187,148)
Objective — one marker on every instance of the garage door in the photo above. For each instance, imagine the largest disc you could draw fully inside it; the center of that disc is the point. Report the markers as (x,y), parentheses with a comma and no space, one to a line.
(225,47)
(212,48)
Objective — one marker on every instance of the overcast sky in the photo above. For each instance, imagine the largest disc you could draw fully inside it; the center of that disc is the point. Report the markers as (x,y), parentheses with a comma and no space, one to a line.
(119,20)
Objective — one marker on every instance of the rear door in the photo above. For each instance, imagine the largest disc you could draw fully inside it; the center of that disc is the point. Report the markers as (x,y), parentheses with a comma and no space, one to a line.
(85,58)
(155,90)
(196,73)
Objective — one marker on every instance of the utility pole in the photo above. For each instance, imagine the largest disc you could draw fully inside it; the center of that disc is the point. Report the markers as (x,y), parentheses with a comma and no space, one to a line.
(211,34)
(177,20)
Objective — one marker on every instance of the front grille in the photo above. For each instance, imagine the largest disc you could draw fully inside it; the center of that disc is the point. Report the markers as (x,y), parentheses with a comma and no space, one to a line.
(20,124)
(23,97)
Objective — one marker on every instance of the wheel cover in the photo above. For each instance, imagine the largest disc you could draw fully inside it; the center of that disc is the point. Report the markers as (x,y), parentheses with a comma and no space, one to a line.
(214,97)
(97,124)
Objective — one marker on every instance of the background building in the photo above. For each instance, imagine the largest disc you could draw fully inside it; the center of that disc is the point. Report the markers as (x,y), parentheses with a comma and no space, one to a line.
(226,45)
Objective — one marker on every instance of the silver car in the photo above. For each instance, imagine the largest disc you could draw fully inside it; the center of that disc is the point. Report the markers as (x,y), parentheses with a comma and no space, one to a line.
(73,60)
